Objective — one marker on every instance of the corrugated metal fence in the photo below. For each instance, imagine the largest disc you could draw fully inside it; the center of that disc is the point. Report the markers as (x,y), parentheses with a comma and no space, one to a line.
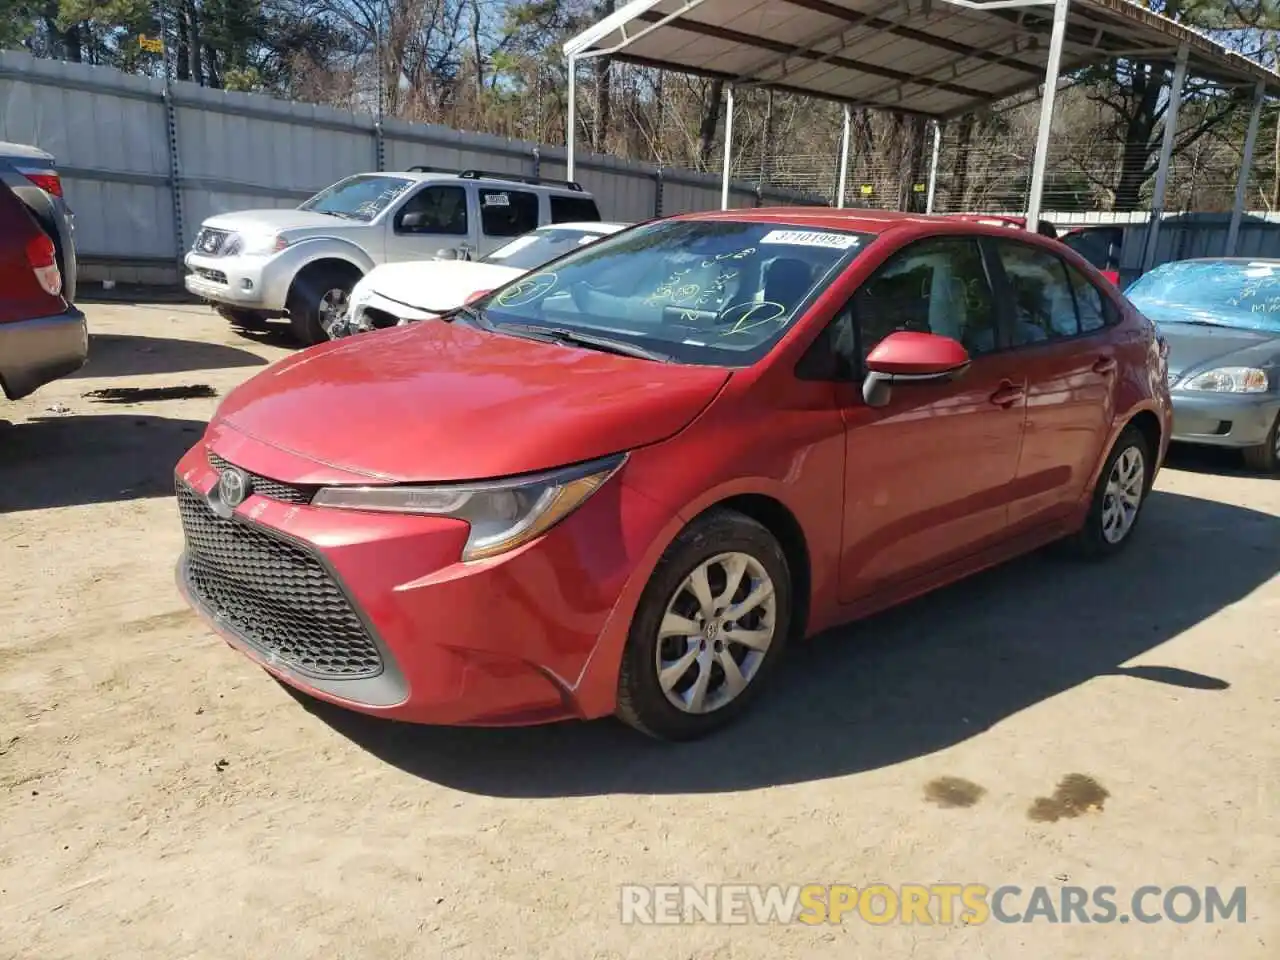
(141,171)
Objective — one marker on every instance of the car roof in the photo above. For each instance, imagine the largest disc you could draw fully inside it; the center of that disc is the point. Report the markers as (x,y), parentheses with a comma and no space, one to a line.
(24,151)
(860,220)
(420,175)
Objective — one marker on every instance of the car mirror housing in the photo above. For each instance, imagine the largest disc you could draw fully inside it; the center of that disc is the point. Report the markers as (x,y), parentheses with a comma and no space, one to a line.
(907,357)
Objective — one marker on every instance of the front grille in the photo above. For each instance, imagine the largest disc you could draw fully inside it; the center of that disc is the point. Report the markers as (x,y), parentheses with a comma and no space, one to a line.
(209,241)
(266,487)
(214,276)
(274,594)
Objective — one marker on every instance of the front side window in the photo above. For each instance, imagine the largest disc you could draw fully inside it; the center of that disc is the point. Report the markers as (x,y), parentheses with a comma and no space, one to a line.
(539,247)
(933,286)
(698,291)
(1044,307)
(435,210)
(361,197)
(508,213)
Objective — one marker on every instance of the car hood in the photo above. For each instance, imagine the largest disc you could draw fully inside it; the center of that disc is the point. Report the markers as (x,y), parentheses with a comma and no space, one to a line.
(287,219)
(446,401)
(435,284)
(1195,346)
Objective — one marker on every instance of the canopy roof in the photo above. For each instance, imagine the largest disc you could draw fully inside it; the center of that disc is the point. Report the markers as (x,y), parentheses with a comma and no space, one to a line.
(933,58)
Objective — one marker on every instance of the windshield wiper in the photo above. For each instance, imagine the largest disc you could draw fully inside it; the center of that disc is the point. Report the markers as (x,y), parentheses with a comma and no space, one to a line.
(589,340)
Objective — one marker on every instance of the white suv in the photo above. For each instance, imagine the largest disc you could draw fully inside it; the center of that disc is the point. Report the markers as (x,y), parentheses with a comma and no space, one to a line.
(302,263)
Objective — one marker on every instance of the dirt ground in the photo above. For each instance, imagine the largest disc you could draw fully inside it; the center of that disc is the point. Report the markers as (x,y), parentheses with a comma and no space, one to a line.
(162,797)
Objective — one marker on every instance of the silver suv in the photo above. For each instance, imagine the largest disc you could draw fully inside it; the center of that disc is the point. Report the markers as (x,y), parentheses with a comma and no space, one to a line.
(302,263)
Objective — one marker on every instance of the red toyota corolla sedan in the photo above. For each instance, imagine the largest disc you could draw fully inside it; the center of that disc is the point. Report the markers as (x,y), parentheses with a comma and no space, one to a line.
(622,484)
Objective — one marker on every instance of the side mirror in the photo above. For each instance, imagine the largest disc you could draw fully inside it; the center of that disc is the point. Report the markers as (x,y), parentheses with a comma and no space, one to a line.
(447,253)
(414,220)
(906,357)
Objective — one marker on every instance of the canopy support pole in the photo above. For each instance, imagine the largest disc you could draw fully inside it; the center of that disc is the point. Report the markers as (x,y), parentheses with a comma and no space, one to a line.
(1166,154)
(728,147)
(572,122)
(1056,40)
(1246,166)
(933,167)
(844,160)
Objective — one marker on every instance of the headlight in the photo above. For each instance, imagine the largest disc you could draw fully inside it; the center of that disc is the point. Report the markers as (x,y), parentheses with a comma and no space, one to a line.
(1229,380)
(254,244)
(503,514)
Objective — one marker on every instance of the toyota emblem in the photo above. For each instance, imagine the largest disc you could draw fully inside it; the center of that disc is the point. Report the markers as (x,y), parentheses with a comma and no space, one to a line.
(233,486)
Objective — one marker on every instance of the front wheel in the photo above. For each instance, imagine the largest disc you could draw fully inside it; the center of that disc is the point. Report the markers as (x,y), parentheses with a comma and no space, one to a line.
(710,627)
(318,302)
(1265,457)
(1118,498)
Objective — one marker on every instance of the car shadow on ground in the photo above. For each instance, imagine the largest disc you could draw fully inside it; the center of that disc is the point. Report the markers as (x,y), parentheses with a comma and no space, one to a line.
(62,461)
(1215,461)
(269,333)
(120,355)
(900,685)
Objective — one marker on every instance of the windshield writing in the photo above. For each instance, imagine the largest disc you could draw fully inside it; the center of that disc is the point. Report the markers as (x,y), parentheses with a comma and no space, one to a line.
(358,198)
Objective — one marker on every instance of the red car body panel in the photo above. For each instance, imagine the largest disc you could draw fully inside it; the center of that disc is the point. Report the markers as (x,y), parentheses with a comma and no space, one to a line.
(884,503)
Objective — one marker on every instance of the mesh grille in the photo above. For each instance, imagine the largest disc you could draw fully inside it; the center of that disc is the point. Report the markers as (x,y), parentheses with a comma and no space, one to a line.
(274,594)
(266,487)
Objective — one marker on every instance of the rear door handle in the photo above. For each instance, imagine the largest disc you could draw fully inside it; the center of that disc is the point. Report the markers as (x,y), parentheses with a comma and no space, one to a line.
(1008,394)
(1105,365)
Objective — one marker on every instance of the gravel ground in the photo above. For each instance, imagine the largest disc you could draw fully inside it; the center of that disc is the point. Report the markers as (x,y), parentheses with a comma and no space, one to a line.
(163,797)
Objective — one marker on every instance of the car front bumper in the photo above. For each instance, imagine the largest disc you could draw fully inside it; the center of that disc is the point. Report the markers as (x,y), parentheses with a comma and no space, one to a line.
(1223,419)
(239,281)
(498,642)
(35,352)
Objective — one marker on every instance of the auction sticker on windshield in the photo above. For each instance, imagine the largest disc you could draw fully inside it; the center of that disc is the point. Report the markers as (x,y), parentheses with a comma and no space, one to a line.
(811,238)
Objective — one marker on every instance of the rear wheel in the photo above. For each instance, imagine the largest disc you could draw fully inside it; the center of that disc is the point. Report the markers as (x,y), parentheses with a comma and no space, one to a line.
(1265,457)
(1118,498)
(318,300)
(710,628)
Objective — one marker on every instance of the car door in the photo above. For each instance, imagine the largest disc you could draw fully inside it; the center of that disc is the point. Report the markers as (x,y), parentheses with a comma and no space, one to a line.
(434,219)
(1059,334)
(928,476)
(505,214)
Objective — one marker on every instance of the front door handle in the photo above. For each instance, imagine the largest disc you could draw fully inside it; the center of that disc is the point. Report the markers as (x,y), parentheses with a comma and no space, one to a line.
(1007,395)
(1105,365)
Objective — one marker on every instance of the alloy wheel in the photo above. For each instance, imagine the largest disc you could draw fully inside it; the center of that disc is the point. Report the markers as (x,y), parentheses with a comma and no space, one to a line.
(1126,486)
(715,633)
(333,307)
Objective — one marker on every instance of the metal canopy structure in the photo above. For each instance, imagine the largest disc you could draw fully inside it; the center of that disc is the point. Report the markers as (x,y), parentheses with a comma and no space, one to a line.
(927,58)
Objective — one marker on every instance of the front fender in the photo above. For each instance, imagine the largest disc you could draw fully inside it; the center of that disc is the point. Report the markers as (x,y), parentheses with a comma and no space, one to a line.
(279,274)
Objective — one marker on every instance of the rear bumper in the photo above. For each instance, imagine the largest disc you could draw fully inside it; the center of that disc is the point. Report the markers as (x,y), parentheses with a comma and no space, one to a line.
(1224,420)
(35,352)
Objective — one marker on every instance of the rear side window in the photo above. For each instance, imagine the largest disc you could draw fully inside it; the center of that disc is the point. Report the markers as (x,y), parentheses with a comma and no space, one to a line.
(574,210)
(1091,305)
(1043,303)
(508,213)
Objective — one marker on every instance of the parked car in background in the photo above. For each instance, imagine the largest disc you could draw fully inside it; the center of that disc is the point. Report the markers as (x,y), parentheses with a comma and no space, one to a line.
(32,175)
(1221,318)
(1101,245)
(394,294)
(42,336)
(623,485)
(1043,227)
(303,263)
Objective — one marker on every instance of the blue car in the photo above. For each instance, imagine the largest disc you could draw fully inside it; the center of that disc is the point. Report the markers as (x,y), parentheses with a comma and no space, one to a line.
(1221,319)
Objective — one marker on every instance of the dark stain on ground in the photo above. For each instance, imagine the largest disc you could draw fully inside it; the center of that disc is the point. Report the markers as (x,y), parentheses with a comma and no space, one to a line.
(1076,795)
(951,792)
(192,391)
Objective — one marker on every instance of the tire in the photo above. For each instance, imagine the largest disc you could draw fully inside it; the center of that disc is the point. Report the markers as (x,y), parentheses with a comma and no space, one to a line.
(716,543)
(1101,535)
(318,292)
(1265,457)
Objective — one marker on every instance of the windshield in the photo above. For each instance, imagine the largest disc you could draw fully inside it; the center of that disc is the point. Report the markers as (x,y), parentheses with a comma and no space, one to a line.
(542,246)
(358,198)
(1231,293)
(699,291)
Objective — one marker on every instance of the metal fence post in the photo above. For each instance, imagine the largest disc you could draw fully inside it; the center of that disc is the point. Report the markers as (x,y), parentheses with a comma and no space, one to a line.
(379,146)
(657,192)
(537,162)
(171,134)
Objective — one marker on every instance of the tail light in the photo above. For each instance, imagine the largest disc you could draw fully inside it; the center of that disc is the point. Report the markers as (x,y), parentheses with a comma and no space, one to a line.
(44,264)
(48,182)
